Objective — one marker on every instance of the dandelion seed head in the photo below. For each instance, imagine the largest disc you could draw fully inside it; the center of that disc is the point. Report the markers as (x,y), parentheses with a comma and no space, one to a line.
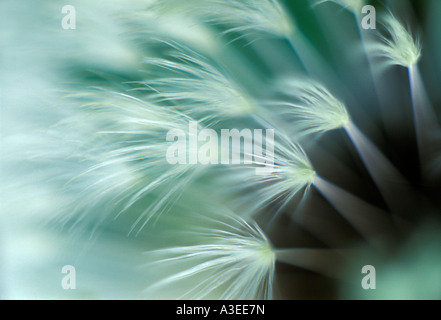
(401,49)
(316,109)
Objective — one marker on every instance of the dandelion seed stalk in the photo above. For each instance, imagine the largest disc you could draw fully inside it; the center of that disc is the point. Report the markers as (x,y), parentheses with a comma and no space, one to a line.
(371,222)
(394,188)
(317,260)
(426,125)
(312,62)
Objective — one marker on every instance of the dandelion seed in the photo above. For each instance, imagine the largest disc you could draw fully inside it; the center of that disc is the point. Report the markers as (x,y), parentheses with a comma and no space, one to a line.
(250,16)
(401,49)
(235,261)
(169,20)
(316,111)
(291,172)
(198,88)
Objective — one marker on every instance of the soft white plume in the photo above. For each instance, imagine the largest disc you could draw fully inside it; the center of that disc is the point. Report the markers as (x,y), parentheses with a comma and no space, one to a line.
(232,260)
(197,87)
(311,107)
(249,16)
(401,48)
